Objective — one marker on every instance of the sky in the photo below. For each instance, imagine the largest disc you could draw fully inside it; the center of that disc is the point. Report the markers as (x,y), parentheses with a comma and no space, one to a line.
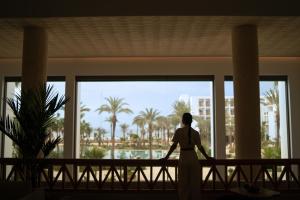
(139,96)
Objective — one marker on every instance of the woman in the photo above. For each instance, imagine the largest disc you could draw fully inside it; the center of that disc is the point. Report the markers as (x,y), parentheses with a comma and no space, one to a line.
(188,166)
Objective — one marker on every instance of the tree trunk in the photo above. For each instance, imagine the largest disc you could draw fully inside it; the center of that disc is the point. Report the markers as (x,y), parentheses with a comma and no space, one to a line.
(150,140)
(277,128)
(150,143)
(113,140)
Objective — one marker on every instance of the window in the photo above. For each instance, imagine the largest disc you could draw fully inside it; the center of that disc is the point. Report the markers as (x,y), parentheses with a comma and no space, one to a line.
(273,116)
(135,119)
(13,87)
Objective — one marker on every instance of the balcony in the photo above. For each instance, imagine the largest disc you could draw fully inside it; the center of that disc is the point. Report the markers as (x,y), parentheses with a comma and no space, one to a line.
(148,175)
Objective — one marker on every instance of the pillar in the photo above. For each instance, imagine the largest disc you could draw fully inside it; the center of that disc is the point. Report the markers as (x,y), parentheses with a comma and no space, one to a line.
(2,85)
(246,92)
(69,137)
(220,138)
(294,107)
(34,61)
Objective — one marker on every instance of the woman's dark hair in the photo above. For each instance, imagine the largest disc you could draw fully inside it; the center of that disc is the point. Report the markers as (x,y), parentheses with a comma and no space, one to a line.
(187,119)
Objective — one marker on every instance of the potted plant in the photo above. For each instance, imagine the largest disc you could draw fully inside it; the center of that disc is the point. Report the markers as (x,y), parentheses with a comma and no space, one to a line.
(29,129)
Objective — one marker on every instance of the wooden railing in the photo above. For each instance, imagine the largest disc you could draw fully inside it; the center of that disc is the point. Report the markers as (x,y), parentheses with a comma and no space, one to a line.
(78,174)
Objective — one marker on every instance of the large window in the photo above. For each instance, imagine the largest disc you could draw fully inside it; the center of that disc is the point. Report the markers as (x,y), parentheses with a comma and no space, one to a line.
(137,119)
(273,118)
(13,87)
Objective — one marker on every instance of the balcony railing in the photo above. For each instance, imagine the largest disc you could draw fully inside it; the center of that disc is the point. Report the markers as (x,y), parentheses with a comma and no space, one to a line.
(86,174)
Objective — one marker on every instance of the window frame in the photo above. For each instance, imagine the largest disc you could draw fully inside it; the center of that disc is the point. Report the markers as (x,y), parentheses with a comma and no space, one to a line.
(141,78)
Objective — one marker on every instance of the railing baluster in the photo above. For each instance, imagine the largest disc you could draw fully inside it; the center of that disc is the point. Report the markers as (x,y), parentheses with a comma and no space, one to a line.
(201,176)
(298,172)
(100,176)
(50,175)
(88,176)
(239,175)
(63,176)
(113,177)
(288,175)
(251,173)
(226,177)
(75,175)
(164,178)
(139,178)
(151,176)
(275,176)
(125,177)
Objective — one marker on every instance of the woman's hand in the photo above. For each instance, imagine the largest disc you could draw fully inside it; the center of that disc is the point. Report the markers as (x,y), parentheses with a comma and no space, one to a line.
(210,158)
(163,159)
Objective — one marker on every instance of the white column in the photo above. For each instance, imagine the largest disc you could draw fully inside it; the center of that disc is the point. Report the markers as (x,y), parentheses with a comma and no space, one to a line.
(246,91)
(34,60)
(283,120)
(8,144)
(220,138)
(1,112)
(69,136)
(294,102)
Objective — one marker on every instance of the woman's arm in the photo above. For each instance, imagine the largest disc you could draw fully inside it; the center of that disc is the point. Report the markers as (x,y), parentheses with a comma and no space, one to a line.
(172,148)
(202,150)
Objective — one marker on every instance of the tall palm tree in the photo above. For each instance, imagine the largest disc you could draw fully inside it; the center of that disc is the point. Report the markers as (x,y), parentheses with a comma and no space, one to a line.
(161,124)
(272,98)
(83,110)
(85,131)
(150,115)
(100,132)
(58,128)
(204,128)
(140,122)
(114,106)
(179,108)
(124,127)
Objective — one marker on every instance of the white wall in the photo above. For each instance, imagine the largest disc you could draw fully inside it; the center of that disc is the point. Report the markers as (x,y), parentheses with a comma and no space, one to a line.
(218,66)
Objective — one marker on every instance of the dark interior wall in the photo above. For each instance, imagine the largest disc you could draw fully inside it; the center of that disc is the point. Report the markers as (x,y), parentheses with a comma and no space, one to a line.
(80,8)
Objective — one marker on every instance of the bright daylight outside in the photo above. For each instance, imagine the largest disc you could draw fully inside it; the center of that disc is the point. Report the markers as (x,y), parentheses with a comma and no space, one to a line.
(137,119)
(273,119)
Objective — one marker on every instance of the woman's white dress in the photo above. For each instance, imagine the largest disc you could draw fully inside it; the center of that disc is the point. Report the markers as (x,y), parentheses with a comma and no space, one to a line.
(188,167)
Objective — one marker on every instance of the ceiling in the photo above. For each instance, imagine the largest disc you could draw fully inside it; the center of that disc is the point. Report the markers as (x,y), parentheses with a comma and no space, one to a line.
(137,36)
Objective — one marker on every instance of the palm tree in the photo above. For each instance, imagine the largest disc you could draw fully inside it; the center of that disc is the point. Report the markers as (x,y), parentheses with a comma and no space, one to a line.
(179,108)
(83,110)
(34,112)
(204,129)
(58,128)
(149,115)
(85,131)
(140,122)
(100,132)
(174,121)
(30,128)
(85,128)
(272,98)
(161,122)
(229,128)
(114,106)
(124,128)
